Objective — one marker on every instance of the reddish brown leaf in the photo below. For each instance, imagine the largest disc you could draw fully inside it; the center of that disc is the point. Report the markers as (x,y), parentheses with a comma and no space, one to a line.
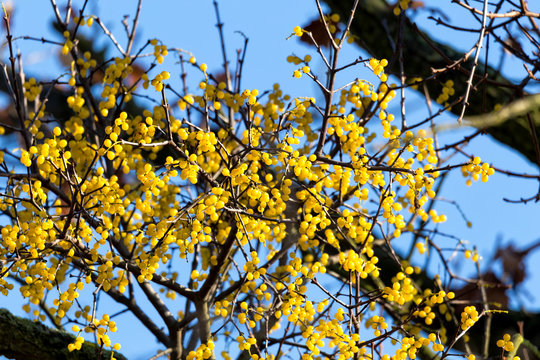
(317,30)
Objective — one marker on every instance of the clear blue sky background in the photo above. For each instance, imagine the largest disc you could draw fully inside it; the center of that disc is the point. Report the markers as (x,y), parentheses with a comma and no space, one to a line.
(190,25)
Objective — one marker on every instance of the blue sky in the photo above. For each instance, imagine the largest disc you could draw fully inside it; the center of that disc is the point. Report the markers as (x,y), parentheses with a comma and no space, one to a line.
(190,25)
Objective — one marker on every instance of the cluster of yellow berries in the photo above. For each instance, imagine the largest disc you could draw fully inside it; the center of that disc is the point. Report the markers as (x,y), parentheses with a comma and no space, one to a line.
(77,102)
(431,301)
(298,73)
(302,167)
(157,81)
(250,96)
(414,80)
(101,327)
(142,130)
(218,95)
(352,262)
(119,69)
(410,346)
(111,147)
(160,50)
(84,20)
(33,89)
(402,290)
(447,91)
(221,308)
(68,45)
(506,343)
(215,94)
(469,317)
(246,344)
(477,170)
(331,21)
(473,255)
(85,63)
(378,68)
(77,344)
(51,150)
(297,61)
(33,124)
(197,277)
(377,323)
(425,146)
(243,317)
(204,351)
(400,6)
(115,74)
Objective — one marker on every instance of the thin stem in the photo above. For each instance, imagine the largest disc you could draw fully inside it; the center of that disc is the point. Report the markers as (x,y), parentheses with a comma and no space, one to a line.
(134,28)
(476,55)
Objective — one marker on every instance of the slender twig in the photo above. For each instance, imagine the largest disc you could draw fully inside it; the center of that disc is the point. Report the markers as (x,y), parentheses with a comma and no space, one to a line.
(509,14)
(326,28)
(219,25)
(111,36)
(131,37)
(475,64)
(349,23)
(16,85)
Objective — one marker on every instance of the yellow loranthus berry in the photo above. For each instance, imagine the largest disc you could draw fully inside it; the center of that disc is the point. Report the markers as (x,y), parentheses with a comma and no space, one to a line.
(420,247)
(157,82)
(447,91)
(203,67)
(476,170)
(298,31)
(32,89)
(469,317)
(506,343)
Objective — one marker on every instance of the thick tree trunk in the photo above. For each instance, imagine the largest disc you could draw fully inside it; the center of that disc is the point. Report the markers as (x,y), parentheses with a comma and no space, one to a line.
(176,345)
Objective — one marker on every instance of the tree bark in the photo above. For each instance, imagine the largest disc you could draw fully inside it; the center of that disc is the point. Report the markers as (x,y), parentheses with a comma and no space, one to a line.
(23,339)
